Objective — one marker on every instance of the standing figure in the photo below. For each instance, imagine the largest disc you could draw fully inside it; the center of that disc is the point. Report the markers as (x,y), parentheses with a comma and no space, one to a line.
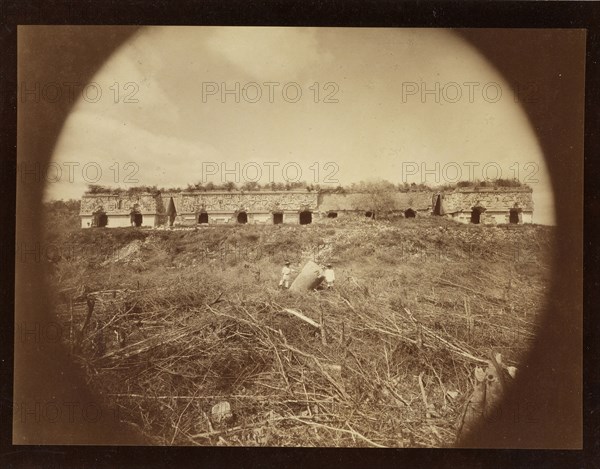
(285,275)
(329,276)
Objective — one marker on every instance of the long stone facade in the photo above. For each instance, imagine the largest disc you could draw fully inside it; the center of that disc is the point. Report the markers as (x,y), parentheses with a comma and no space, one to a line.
(119,210)
(185,208)
(486,206)
(479,206)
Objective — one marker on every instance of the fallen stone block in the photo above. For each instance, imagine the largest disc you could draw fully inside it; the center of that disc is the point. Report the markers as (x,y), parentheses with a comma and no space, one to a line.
(309,278)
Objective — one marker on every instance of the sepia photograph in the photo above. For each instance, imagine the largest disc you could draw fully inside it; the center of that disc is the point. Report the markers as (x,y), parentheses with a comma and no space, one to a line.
(296,236)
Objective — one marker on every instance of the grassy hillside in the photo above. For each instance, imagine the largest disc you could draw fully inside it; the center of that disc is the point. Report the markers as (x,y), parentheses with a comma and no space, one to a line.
(194,318)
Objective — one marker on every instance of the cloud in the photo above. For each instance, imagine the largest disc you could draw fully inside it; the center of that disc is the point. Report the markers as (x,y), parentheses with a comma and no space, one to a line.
(110,144)
(270,53)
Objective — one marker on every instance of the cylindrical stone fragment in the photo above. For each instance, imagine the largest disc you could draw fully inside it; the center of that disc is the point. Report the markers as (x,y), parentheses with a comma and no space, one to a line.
(309,277)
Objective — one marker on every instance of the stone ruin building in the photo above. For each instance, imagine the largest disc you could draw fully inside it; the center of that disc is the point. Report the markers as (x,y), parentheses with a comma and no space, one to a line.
(479,205)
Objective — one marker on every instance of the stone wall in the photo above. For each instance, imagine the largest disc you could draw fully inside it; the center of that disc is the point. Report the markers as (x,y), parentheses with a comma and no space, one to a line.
(418,201)
(119,220)
(490,199)
(229,218)
(497,203)
(251,202)
(223,207)
(118,204)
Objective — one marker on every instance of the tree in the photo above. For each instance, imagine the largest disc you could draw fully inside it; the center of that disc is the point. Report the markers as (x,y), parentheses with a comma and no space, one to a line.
(98,189)
(250,186)
(297,185)
(230,186)
(142,189)
(377,196)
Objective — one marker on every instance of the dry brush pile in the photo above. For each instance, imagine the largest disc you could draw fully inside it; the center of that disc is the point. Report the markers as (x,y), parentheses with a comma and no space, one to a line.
(219,356)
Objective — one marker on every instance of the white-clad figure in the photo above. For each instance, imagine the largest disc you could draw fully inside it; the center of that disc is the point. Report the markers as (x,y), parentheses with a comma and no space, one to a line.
(285,275)
(329,276)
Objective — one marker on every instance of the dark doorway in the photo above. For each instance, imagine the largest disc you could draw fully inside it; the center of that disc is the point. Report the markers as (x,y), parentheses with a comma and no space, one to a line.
(305,217)
(369,214)
(137,219)
(410,213)
(514,215)
(242,217)
(437,209)
(277,218)
(476,215)
(171,211)
(332,215)
(100,220)
(203,217)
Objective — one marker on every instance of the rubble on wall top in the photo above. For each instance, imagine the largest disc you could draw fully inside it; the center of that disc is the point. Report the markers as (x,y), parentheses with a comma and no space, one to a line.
(491,189)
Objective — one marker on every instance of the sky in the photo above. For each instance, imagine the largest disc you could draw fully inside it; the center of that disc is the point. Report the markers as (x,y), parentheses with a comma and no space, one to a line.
(330,106)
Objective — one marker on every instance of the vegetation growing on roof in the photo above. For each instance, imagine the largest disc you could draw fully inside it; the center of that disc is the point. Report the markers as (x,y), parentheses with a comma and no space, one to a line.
(362,186)
(94,189)
(492,183)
